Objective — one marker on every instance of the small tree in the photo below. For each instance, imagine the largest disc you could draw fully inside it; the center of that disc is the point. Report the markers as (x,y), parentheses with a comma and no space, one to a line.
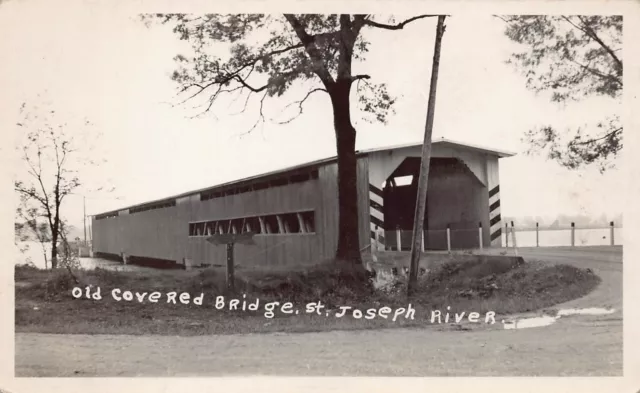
(70,258)
(49,154)
(267,55)
(573,57)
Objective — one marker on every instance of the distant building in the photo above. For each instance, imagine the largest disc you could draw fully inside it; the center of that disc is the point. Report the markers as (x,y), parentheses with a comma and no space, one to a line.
(294,211)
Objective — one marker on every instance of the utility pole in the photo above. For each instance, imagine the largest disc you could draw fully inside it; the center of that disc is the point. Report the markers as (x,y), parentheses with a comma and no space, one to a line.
(418,220)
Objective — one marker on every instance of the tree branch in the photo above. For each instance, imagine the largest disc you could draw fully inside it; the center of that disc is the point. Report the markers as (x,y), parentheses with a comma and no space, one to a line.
(592,34)
(300,105)
(609,134)
(399,26)
(260,117)
(312,50)
(30,194)
(358,23)
(236,74)
(598,73)
(245,105)
(573,24)
(213,97)
(502,19)
(56,191)
(38,175)
(358,77)
(248,86)
(202,88)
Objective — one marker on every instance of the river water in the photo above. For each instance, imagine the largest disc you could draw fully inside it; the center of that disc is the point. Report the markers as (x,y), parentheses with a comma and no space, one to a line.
(32,251)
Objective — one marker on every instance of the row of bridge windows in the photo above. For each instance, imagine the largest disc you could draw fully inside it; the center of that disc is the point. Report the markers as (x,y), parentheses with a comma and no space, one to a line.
(271,224)
(106,215)
(138,209)
(152,207)
(293,178)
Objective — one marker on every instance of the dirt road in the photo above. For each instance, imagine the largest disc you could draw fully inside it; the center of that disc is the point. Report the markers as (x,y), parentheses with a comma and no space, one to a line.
(576,345)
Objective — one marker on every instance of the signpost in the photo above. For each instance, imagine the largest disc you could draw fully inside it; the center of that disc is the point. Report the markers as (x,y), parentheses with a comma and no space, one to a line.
(230,239)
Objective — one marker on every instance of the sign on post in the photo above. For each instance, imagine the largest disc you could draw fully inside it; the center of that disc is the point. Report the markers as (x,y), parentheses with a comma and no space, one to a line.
(230,239)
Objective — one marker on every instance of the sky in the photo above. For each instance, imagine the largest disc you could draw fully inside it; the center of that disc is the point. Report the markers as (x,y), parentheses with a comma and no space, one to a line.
(103,64)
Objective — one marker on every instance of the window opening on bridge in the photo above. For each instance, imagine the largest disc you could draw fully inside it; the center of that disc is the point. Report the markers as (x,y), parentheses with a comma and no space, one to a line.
(270,224)
(299,176)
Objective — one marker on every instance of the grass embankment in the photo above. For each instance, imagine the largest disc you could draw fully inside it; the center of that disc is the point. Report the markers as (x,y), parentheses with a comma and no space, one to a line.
(44,301)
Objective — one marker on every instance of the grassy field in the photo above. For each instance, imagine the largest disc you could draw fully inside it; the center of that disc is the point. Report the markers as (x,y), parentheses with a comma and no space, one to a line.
(45,301)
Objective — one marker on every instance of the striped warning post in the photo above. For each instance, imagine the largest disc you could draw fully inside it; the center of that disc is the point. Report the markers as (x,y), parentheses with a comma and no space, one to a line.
(495,221)
(376,217)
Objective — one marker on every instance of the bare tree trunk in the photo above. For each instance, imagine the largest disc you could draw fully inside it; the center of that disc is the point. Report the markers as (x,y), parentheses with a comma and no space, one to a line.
(54,248)
(44,253)
(348,234)
(42,239)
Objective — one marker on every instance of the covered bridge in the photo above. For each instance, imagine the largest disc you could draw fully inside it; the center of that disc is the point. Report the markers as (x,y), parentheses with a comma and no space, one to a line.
(294,211)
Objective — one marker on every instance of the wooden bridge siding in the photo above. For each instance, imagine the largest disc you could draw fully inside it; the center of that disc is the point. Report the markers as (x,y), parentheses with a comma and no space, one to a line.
(163,233)
(104,235)
(150,234)
(270,250)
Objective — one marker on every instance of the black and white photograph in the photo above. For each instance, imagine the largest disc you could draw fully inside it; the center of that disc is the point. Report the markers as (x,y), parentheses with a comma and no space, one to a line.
(204,193)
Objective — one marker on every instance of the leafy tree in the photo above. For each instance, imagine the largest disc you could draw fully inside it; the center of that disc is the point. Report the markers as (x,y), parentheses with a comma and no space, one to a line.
(49,154)
(572,57)
(267,55)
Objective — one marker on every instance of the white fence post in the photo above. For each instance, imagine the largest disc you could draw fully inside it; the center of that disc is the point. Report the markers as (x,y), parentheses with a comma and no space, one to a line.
(611,229)
(513,233)
(537,236)
(573,234)
(480,234)
(374,243)
(398,241)
(448,239)
(423,245)
(506,234)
